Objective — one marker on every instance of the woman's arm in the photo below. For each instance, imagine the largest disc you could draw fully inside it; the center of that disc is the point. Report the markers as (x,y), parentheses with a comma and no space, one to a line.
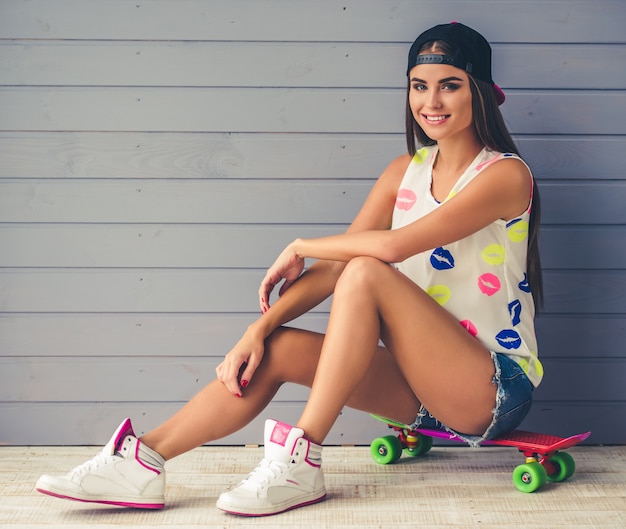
(313,286)
(501,191)
(375,214)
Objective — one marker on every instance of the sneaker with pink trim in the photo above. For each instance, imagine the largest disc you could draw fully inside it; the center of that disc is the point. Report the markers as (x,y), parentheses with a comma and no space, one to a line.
(116,476)
(289,476)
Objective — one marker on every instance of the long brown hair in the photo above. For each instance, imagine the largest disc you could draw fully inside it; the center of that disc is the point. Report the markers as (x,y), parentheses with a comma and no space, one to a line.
(494,135)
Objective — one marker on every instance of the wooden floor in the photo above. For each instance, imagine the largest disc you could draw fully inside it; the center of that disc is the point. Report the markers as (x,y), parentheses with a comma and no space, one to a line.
(454,487)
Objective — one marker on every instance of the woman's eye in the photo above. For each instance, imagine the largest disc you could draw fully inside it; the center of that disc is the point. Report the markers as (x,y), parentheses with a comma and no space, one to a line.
(450,86)
(419,86)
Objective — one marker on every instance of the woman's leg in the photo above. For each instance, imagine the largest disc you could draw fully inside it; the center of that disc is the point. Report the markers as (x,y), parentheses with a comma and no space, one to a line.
(129,471)
(429,358)
(291,355)
(447,369)
(354,370)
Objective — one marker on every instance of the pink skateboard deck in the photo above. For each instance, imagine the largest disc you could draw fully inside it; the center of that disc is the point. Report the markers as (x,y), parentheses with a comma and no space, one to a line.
(544,459)
(537,443)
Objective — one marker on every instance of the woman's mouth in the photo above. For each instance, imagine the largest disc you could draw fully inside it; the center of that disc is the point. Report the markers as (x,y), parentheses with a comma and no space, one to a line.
(435,119)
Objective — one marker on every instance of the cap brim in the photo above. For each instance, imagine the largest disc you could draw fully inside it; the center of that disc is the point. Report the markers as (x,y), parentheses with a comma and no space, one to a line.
(500,97)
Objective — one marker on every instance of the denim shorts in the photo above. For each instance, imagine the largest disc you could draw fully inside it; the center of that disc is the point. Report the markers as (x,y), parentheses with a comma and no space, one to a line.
(513,401)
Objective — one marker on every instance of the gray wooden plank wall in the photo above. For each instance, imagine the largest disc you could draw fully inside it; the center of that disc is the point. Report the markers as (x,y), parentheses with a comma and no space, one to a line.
(155,155)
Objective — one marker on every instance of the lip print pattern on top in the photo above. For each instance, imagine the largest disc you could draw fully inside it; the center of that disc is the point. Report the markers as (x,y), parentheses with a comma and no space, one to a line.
(494,254)
(517,230)
(523,284)
(509,339)
(480,279)
(441,259)
(469,327)
(406,199)
(515,309)
(489,284)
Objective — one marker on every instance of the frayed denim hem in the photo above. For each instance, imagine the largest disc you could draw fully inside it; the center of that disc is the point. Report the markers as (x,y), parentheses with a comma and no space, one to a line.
(497,381)
(513,401)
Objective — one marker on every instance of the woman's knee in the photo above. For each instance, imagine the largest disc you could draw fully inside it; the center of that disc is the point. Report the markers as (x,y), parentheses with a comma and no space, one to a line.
(359,272)
(291,355)
(277,344)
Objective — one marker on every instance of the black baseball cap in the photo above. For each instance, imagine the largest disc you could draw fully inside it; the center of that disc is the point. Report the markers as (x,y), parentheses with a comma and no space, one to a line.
(472,52)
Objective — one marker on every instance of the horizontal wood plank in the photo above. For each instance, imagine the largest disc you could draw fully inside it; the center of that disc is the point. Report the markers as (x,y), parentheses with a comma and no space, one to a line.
(149,246)
(583,247)
(256,201)
(550,112)
(201,110)
(227,290)
(93,290)
(131,335)
(607,372)
(589,292)
(202,335)
(581,335)
(331,110)
(186,201)
(268,156)
(197,156)
(573,158)
(353,20)
(201,156)
(245,246)
(228,64)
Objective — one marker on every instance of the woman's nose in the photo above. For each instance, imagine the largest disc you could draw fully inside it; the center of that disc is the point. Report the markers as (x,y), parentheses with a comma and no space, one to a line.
(433,100)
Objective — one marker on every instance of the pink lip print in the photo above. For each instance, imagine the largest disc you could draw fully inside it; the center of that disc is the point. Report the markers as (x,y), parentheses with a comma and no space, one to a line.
(489,284)
(469,327)
(405,199)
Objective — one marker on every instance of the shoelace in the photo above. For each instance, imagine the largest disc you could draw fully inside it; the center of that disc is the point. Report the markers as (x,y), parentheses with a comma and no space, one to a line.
(267,470)
(96,462)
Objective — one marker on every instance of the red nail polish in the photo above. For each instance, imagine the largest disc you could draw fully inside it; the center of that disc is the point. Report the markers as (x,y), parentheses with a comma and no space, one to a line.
(244,383)
(239,395)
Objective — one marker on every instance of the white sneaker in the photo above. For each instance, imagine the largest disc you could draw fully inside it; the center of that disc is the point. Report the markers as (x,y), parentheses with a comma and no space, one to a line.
(289,476)
(116,476)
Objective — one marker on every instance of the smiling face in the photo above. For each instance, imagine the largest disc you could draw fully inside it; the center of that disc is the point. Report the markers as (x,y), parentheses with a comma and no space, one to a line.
(440,99)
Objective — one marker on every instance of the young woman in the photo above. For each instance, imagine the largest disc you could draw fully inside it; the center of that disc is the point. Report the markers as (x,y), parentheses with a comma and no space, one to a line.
(440,266)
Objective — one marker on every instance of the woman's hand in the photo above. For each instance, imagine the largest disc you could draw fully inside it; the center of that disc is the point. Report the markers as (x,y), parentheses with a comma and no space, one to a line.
(238,367)
(288,267)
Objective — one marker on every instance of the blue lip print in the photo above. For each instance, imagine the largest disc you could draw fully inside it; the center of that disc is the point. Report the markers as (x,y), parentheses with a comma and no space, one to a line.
(441,259)
(509,339)
(523,285)
(515,310)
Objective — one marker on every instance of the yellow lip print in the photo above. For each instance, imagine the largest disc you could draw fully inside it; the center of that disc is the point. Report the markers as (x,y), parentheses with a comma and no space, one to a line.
(440,293)
(518,232)
(493,254)
(421,155)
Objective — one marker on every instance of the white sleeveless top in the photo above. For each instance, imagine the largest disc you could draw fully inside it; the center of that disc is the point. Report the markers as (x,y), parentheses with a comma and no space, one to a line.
(480,279)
